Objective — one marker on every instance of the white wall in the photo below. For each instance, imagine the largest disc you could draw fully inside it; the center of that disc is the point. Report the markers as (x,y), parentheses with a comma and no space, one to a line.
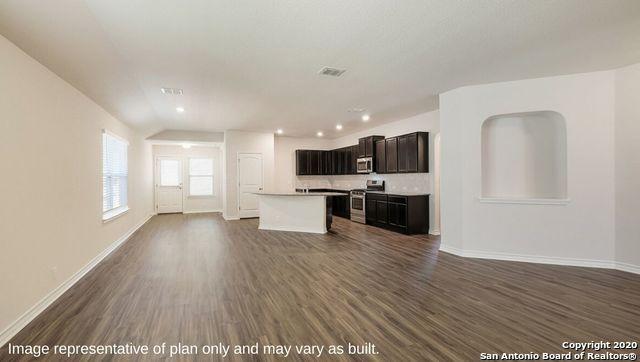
(627,161)
(245,142)
(51,189)
(197,203)
(581,230)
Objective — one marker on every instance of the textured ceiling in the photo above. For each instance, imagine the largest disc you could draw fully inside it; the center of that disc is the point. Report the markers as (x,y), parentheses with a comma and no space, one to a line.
(253,65)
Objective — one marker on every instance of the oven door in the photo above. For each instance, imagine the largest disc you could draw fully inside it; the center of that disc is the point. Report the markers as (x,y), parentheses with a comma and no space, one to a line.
(357,203)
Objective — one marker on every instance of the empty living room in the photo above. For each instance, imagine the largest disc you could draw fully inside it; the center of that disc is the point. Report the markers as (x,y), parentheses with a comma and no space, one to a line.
(361,180)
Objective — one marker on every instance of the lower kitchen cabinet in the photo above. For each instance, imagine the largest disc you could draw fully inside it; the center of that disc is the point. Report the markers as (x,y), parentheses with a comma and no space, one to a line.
(341,206)
(401,213)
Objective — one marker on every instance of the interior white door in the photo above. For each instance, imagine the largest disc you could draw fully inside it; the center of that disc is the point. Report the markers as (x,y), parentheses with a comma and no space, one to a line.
(249,182)
(168,185)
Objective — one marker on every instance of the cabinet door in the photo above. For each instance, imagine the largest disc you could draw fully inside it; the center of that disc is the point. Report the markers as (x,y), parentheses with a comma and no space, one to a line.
(326,163)
(402,154)
(354,159)
(397,214)
(370,209)
(347,161)
(380,166)
(368,147)
(302,163)
(412,152)
(381,212)
(361,147)
(314,162)
(391,153)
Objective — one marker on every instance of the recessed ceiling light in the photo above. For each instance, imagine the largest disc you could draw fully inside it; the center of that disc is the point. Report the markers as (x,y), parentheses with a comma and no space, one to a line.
(319,134)
(186,146)
(356,110)
(338,127)
(279,131)
(179,109)
(365,118)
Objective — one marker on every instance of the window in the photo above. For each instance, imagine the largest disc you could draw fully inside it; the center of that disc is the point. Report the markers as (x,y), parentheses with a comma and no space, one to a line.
(200,177)
(170,173)
(114,176)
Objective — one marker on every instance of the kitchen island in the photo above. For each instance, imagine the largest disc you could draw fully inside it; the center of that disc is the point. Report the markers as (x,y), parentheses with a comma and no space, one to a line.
(296,211)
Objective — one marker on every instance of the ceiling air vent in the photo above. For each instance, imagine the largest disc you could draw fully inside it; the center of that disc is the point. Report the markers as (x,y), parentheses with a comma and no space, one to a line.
(174,91)
(332,72)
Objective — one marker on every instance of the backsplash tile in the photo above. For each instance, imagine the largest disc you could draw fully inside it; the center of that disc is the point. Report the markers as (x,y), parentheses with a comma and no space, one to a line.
(409,182)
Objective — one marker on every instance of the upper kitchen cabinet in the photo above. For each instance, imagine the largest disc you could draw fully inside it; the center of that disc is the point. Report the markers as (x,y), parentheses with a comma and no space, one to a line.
(327,163)
(354,159)
(391,155)
(413,152)
(366,146)
(404,154)
(380,163)
(302,162)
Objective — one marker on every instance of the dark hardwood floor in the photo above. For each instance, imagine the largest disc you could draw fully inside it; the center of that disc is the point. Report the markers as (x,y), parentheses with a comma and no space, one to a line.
(200,280)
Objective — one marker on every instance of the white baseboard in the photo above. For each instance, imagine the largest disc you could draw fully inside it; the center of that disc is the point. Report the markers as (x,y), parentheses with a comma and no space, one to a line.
(201,211)
(590,263)
(434,232)
(630,268)
(45,302)
(230,218)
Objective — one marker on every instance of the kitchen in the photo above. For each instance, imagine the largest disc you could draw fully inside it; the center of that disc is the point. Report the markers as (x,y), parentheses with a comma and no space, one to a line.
(375,180)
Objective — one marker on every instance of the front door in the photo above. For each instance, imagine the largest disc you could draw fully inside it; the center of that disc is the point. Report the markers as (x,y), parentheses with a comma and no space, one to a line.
(168,185)
(249,182)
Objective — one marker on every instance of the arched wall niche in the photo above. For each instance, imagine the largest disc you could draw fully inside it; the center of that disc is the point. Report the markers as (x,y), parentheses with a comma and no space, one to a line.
(524,156)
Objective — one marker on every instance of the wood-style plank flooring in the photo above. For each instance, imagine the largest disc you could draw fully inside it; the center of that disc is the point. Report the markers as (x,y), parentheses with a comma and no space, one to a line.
(198,279)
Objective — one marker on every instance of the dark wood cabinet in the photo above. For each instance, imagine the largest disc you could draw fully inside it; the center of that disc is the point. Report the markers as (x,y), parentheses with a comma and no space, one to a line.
(327,163)
(302,162)
(402,154)
(348,169)
(315,168)
(405,214)
(341,206)
(362,147)
(380,161)
(381,212)
(354,159)
(366,146)
(413,152)
(370,210)
(391,155)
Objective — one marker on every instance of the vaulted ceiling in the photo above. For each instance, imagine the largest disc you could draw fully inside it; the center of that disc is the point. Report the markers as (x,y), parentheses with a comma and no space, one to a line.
(253,65)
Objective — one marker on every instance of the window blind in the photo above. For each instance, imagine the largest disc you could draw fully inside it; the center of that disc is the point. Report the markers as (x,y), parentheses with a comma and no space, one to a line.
(114,175)
(200,177)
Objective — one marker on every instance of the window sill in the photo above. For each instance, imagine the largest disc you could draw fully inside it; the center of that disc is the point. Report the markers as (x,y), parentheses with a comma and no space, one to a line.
(114,214)
(495,200)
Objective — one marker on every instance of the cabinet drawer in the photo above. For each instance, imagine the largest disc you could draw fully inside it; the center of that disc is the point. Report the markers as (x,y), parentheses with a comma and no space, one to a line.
(379,197)
(398,199)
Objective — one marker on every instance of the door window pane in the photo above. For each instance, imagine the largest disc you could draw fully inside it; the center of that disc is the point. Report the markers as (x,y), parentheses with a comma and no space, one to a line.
(169,173)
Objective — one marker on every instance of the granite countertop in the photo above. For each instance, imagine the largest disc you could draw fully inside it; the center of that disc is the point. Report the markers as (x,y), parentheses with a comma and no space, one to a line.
(300,193)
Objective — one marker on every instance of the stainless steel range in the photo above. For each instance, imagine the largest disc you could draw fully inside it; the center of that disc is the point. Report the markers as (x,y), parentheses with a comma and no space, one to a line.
(358,198)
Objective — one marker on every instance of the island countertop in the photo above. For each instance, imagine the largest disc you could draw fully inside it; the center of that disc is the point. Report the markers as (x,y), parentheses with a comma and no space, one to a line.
(291,193)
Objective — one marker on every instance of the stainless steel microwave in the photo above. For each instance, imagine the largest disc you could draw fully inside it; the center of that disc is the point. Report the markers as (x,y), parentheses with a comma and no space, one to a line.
(365,165)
